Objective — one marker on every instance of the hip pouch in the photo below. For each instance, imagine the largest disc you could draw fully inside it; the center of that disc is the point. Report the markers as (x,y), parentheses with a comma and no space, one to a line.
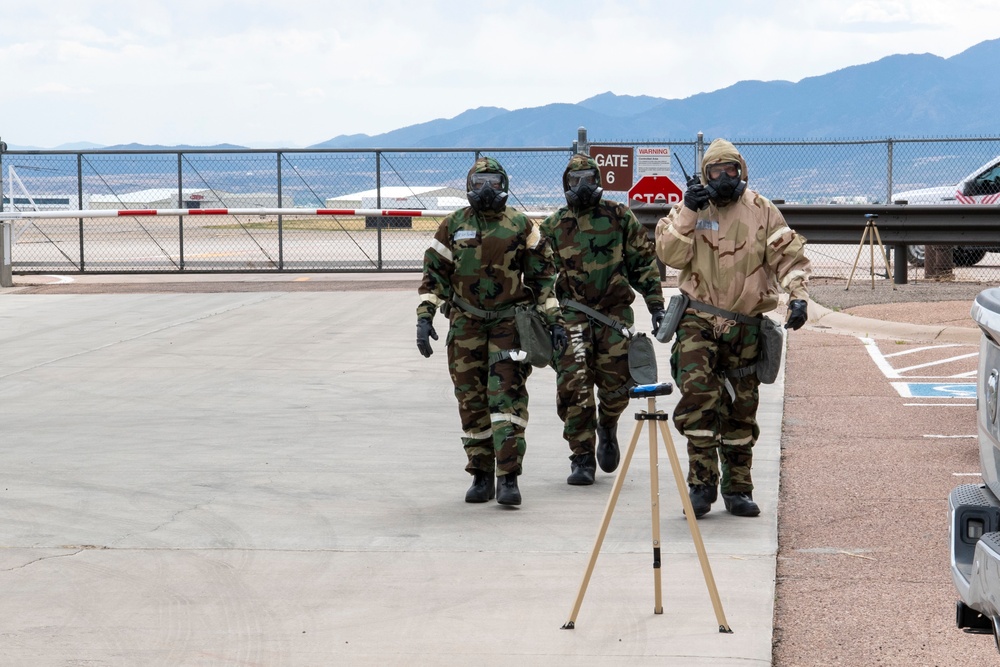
(676,306)
(641,359)
(536,342)
(769,350)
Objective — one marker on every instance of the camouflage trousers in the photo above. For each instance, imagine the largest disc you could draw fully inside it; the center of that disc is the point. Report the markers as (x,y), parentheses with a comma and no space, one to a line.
(492,399)
(715,422)
(597,355)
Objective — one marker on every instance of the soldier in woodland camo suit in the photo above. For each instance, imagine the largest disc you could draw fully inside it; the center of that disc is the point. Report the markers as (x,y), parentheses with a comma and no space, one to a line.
(486,259)
(734,250)
(602,252)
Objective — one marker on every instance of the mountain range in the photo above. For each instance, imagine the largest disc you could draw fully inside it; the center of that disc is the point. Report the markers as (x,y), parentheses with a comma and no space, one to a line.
(899,96)
(916,95)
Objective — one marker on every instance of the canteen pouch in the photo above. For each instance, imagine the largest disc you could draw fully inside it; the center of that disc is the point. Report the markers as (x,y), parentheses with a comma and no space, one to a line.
(676,306)
(536,341)
(641,359)
(769,350)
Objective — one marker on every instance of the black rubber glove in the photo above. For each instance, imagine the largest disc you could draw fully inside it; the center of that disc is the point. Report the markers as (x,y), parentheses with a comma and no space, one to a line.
(559,339)
(425,331)
(658,316)
(797,314)
(696,197)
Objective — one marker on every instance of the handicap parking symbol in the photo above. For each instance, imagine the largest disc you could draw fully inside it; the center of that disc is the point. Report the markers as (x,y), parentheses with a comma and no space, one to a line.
(963,390)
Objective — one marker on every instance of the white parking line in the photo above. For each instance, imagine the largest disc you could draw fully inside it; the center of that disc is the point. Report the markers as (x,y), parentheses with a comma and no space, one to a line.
(920,349)
(939,405)
(939,361)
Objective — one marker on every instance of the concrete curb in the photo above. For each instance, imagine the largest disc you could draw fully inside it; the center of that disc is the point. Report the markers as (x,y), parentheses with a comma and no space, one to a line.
(822,318)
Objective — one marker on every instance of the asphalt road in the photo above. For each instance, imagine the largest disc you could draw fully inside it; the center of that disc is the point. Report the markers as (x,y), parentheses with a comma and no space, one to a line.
(863,575)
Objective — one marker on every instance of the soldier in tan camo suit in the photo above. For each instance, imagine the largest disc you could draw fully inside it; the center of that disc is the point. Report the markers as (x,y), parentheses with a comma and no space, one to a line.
(602,252)
(734,250)
(486,259)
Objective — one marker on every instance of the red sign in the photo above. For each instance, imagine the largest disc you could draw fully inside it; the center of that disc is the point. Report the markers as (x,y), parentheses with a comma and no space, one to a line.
(615,163)
(655,190)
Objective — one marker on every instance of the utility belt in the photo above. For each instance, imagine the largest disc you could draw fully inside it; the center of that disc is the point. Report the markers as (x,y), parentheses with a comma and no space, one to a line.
(480,313)
(641,358)
(594,315)
(536,341)
(722,312)
(769,343)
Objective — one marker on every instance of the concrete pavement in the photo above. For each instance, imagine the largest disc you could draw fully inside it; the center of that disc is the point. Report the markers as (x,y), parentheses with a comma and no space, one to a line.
(275,478)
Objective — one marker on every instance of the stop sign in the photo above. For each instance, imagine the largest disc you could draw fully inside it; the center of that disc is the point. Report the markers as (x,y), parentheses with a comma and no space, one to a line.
(655,190)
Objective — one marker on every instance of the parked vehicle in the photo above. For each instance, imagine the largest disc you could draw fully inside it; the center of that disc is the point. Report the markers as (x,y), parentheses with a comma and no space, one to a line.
(978,188)
(974,509)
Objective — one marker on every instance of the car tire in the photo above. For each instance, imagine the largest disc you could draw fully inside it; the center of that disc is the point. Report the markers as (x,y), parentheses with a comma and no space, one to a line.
(961,255)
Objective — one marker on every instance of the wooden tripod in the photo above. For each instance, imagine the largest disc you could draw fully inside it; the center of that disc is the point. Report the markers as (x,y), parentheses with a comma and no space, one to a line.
(652,414)
(873,237)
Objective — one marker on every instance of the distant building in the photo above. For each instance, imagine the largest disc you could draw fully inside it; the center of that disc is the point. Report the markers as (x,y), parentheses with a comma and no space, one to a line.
(158,198)
(40,203)
(426,197)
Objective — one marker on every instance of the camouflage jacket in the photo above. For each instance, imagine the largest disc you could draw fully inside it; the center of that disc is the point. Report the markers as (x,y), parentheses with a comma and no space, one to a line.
(601,255)
(490,262)
(734,257)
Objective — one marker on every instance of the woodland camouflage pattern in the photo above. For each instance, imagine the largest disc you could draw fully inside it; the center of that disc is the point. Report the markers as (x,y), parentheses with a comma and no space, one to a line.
(733,257)
(492,261)
(601,253)
(714,423)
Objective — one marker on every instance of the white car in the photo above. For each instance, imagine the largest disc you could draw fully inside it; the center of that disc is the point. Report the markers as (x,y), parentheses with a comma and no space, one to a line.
(978,188)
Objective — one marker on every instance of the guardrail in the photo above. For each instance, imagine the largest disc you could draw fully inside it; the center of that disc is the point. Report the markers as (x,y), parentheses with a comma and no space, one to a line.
(899,225)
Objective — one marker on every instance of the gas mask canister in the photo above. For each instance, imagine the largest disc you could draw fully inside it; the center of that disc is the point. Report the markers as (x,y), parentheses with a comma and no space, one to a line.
(486,192)
(724,184)
(583,189)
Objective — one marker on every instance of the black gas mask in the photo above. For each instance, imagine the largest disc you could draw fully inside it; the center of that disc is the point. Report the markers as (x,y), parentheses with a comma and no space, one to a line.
(724,184)
(486,192)
(583,189)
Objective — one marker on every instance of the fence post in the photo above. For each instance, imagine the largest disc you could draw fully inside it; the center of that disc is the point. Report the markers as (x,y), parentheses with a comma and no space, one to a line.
(699,153)
(281,231)
(5,277)
(581,140)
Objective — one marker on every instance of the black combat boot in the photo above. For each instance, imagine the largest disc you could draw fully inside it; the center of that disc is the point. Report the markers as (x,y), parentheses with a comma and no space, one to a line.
(740,504)
(702,497)
(608,454)
(582,467)
(508,493)
(482,488)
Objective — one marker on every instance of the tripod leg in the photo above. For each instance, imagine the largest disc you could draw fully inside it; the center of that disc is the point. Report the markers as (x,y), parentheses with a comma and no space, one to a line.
(871,248)
(861,245)
(885,257)
(699,545)
(654,500)
(608,511)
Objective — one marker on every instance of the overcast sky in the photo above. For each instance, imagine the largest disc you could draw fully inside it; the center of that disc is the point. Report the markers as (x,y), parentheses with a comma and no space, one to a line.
(290,73)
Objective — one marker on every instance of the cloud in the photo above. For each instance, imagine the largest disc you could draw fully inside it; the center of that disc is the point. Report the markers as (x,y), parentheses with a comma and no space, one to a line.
(216,71)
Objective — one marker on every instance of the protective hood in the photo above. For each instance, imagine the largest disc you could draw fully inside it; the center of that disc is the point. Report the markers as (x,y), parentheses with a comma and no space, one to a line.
(725,188)
(721,150)
(578,162)
(584,195)
(485,200)
(489,165)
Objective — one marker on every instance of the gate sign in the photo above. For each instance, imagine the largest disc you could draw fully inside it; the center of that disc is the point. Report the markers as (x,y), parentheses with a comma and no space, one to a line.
(655,190)
(615,163)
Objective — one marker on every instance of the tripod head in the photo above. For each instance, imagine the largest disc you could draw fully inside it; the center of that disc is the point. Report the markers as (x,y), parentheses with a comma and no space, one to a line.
(651,390)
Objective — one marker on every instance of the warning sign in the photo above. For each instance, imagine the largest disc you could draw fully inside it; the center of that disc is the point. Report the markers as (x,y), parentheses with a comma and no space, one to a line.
(652,161)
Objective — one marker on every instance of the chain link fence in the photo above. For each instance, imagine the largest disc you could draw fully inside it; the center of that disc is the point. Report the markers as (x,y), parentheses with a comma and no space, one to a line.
(801,172)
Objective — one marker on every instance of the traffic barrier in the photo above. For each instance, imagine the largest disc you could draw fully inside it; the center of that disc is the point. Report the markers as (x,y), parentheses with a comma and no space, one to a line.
(115,212)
